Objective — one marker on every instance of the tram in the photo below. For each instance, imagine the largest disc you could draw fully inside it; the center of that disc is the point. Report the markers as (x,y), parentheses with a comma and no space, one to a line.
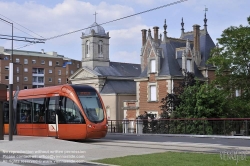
(72,112)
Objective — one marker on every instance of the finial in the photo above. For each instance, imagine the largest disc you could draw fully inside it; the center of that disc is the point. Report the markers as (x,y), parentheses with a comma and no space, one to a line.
(182,26)
(165,31)
(95,16)
(205,20)
(149,32)
(165,25)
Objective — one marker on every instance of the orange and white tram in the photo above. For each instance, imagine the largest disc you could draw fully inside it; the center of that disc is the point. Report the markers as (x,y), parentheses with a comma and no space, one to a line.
(71,112)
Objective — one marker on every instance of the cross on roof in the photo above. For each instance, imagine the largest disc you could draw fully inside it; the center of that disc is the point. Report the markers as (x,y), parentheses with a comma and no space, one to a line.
(206,9)
(95,16)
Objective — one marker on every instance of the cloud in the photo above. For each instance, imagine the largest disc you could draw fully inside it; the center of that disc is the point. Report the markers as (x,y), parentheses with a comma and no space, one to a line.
(126,57)
(64,17)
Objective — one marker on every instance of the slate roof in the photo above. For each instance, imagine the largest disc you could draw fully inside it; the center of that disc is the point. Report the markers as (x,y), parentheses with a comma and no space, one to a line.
(206,44)
(170,66)
(118,69)
(119,87)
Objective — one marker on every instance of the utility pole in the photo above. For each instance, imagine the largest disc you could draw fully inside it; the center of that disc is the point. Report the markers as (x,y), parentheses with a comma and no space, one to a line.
(11,79)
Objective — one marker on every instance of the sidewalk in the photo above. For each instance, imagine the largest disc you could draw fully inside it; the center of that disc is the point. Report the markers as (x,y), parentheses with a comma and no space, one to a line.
(36,151)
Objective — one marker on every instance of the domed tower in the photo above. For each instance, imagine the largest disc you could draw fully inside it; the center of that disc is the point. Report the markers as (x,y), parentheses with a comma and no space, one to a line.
(95,47)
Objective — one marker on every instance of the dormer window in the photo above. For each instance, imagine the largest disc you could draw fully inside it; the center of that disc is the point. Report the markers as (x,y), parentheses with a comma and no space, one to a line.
(152,66)
(100,43)
(87,49)
(188,65)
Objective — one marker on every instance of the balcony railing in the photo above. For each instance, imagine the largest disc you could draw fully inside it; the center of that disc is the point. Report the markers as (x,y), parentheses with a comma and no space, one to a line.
(212,126)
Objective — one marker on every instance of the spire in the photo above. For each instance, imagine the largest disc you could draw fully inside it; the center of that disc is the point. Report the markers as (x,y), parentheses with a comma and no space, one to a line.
(165,31)
(205,20)
(182,27)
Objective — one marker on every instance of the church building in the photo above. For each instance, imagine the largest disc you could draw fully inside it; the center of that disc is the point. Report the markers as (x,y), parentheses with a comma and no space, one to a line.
(113,80)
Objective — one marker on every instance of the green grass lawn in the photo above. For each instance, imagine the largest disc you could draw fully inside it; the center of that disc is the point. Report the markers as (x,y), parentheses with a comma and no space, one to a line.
(177,159)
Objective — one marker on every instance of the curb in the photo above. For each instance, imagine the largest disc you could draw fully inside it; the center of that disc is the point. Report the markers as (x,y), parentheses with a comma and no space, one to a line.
(184,135)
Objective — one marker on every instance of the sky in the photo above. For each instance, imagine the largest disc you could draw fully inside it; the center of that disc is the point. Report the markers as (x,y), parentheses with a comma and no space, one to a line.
(49,18)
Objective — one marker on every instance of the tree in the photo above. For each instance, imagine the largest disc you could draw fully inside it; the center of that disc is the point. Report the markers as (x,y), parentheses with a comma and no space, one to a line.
(232,59)
(172,101)
(202,101)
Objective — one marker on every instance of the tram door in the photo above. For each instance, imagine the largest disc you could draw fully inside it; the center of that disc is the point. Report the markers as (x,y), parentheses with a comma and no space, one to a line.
(39,117)
(52,115)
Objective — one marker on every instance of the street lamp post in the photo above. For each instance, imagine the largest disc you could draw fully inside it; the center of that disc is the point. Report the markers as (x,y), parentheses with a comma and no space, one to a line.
(10,88)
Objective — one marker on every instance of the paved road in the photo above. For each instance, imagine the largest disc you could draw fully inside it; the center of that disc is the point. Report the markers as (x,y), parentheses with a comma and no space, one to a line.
(114,145)
(188,139)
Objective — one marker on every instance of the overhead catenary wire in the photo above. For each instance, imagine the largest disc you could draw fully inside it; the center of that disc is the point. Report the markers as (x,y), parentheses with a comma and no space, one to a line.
(170,4)
(132,15)
(23,27)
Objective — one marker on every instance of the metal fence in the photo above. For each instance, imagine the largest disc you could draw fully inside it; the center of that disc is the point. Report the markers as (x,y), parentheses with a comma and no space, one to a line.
(225,126)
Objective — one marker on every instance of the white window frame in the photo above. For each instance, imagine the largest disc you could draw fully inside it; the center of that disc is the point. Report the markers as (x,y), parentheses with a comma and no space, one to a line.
(6,77)
(25,69)
(50,63)
(59,72)
(17,60)
(50,71)
(59,80)
(50,79)
(33,61)
(189,65)
(57,63)
(6,68)
(17,79)
(152,65)
(25,61)
(25,78)
(152,92)
(17,69)
(42,62)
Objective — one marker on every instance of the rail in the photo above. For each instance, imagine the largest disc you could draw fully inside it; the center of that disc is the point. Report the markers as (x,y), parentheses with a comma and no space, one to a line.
(199,126)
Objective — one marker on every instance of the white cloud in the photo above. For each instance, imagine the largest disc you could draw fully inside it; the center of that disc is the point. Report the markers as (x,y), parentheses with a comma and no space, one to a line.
(126,57)
(67,16)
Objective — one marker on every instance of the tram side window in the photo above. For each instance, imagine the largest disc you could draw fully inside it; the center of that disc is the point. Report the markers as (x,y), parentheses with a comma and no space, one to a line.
(6,112)
(53,108)
(70,111)
(24,111)
(39,110)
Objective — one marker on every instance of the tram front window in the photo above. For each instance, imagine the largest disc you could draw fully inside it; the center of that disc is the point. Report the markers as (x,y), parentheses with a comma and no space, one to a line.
(92,106)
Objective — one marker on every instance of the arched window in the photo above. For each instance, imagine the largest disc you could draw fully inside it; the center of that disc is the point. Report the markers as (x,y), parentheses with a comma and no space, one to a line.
(100,43)
(87,49)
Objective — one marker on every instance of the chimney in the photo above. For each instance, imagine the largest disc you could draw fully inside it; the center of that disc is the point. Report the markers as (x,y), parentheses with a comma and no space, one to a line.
(156,34)
(196,38)
(144,35)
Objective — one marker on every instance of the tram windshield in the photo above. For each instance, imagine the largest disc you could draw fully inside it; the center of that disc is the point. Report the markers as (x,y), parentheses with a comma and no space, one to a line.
(92,106)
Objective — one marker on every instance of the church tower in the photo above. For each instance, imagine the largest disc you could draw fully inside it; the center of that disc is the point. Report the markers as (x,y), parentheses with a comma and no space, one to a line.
(95,47)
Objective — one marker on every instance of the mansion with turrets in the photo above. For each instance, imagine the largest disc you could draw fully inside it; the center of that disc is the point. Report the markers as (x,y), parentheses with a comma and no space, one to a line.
(130,89)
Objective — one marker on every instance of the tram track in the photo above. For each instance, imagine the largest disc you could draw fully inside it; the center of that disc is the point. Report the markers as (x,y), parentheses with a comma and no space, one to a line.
(172,146)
